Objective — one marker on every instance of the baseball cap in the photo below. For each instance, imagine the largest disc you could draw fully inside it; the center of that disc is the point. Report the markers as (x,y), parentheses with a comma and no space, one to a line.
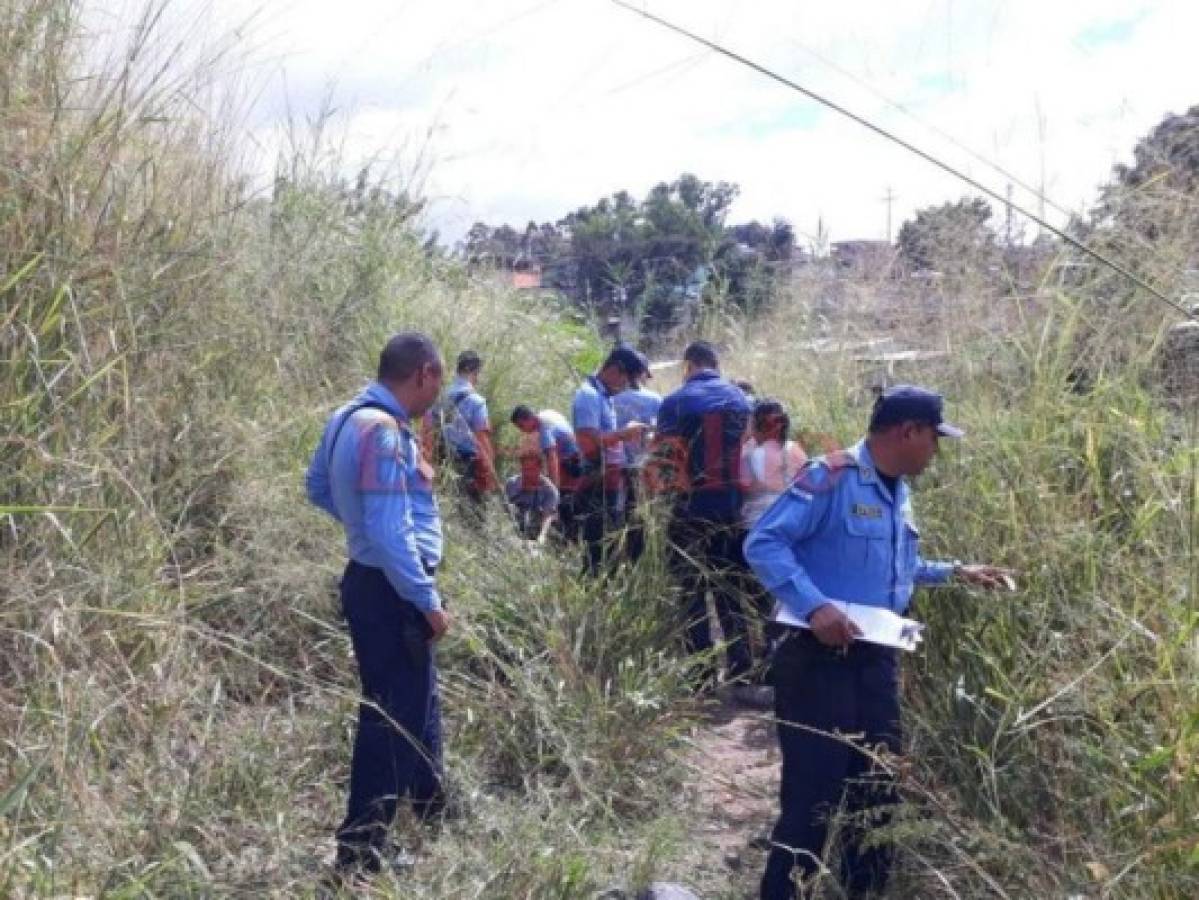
(645,369)
(910,403)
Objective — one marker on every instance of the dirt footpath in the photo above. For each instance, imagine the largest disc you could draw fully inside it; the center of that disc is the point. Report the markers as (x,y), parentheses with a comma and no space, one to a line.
(735,760)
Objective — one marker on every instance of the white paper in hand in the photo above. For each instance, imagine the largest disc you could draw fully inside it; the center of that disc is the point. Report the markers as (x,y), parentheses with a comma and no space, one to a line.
(878,626)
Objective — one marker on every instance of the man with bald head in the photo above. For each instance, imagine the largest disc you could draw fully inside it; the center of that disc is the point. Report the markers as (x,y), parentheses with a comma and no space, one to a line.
(369,475)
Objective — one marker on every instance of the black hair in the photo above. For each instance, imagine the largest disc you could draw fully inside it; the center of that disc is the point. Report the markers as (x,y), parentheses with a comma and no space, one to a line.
(520,413)
(404,355)
(744,386)
(625,359)
(702,354)
(469,361)
(767,409)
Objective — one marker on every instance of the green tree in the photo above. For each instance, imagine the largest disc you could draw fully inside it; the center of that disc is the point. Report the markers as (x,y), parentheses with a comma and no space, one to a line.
(1154,198)
(1147,216)
(648,257)
(1146,219)
(952,238)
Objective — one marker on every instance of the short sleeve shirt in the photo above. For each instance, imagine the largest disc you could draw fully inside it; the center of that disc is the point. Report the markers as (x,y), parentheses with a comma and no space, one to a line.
(639,405)
(708,416)
(542,496)
(592,409)
(465,413)
(556,433)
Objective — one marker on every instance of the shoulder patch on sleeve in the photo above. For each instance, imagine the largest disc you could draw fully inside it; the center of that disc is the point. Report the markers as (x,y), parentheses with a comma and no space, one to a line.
(382,432)
(818,476)
(799,493)
(812,479)
(378,455)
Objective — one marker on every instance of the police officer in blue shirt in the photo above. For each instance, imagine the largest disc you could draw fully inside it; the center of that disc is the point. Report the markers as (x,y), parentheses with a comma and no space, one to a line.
(638,403)
(844,531)
(467,428)
(368,474)
(599,495)
(703,425)
(555,441)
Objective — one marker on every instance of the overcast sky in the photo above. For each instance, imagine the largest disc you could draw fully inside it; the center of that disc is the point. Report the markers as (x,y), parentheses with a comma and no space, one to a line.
(527,109)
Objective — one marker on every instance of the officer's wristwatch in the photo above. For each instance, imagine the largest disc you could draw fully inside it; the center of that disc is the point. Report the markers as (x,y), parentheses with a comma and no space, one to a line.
(957,565)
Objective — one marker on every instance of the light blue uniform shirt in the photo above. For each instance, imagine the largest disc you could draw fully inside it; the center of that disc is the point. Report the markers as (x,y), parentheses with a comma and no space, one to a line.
(592,408)
(465,412)
(838,534)
(380,489)
(555,433)
(636,405)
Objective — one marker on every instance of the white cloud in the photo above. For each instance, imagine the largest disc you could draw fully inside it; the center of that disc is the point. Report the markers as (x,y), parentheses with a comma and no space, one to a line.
(528,109)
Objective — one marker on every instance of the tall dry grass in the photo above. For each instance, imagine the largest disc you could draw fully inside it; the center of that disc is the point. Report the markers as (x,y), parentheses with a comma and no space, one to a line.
(1051,732)
(177,689)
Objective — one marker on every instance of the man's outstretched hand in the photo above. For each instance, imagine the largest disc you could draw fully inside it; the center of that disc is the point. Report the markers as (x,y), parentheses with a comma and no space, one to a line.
(993,578)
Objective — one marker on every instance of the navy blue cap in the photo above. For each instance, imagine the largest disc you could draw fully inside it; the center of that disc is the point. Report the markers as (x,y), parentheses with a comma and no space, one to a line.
(909,403)
(645,369)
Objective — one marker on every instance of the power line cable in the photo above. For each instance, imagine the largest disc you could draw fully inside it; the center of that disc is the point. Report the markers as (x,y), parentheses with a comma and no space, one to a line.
(676,68)
(1124,272)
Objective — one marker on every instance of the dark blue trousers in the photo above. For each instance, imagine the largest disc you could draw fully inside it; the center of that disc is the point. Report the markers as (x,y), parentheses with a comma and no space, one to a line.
(818,689)
(599,514)
(706,556)
(397,748)
(634,493)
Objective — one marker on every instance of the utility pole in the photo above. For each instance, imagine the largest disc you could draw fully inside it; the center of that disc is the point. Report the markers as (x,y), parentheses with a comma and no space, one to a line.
(1041,127)
(1007,225)
(889,199)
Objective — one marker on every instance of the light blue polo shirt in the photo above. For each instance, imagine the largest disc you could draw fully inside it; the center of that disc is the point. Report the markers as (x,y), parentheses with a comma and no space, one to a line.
(556,434)
(592,408)
(464,412)
(636,405)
